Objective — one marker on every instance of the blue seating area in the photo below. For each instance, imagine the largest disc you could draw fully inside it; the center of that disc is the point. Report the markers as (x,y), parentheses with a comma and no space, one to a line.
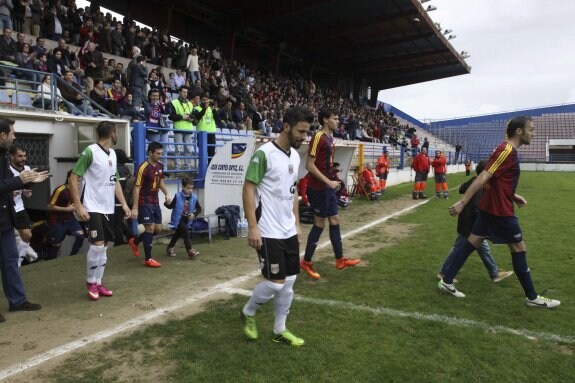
(479,135)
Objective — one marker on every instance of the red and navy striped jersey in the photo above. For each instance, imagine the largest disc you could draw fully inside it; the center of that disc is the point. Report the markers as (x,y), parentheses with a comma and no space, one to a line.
(497,198)
(148,179)
(322,148)
(60,197)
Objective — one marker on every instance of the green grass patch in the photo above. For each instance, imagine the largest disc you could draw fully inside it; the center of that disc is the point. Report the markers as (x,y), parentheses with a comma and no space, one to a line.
(345,344)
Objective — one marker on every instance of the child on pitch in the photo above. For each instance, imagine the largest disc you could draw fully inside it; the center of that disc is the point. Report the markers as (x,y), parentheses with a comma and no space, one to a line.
(182,217)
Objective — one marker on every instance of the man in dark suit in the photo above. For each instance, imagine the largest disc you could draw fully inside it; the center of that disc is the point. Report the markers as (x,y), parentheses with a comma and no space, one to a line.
(11,280)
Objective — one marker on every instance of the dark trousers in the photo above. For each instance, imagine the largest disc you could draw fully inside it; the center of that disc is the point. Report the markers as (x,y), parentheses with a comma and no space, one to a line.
(11,280)
(182,231)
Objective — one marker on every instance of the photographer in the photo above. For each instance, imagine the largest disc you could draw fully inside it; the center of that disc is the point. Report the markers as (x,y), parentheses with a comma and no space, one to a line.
(206,123)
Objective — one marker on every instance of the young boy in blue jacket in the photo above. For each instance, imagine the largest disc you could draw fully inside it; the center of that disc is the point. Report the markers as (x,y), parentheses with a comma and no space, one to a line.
(185,207)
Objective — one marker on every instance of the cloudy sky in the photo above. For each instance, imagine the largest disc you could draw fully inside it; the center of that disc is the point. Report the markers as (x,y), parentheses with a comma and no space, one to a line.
(522,56)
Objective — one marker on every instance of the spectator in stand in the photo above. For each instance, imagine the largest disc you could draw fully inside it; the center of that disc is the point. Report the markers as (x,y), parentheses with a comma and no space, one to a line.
(69,58)
(101,97)
(440,170)
(119,74)
(167,51)
(116,92)
(26,59)
(458,148)
(204,114)
(421,167)
(72,93)
(127,108)
(75,23)
(6,7)
(53,21)
(225,118)
(138,75)
(425,144)
(414,145)
(8,46)
(37,10)
(179,79)
(94,66)
(181,112)
(117,40)
(20,41)
(193,65)
(40,46)
(241,118)
(154,111)
(56,64)
(181,55)
(44,96)
(41,66)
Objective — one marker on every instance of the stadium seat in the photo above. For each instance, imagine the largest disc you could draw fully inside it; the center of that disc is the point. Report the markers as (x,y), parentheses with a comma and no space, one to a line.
(24,99)
(5,97)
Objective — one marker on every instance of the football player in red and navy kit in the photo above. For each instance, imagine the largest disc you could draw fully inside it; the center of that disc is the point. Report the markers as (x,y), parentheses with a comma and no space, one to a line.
(149,180)
(321,192)
(496,220)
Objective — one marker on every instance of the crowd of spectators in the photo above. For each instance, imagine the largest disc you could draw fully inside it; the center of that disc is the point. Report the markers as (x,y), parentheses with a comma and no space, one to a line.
(244,96)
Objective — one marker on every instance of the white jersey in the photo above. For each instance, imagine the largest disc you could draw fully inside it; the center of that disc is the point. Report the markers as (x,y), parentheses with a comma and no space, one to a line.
(275,173)
(99,176)
(18,202)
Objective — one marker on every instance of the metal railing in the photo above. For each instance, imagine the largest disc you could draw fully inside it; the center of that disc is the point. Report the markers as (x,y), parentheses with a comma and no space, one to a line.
(9,74)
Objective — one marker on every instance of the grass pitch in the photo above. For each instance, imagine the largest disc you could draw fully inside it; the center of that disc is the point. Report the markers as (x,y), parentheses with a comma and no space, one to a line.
(384,322)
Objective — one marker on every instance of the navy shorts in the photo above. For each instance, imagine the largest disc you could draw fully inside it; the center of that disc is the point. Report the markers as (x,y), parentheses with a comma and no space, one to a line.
(383,176)
(420,177)
(149,214)
(323,202)
(100,227)
(499,230)
(440,178)
(279,257)
(58,230)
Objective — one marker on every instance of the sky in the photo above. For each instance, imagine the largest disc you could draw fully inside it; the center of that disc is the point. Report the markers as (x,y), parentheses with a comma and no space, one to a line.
(522,55)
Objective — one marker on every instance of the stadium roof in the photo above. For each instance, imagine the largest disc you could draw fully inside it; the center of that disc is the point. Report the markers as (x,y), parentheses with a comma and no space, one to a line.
(389,43)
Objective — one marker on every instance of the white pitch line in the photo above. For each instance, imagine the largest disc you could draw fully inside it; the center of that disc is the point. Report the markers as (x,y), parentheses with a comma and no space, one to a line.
(452,321)
(222,287)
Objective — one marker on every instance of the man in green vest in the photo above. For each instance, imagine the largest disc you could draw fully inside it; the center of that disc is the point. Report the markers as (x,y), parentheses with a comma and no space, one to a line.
(181,110)
(206,123)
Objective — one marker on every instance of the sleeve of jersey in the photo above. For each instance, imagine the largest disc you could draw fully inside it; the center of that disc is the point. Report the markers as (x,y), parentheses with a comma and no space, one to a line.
(140,174)
(55,196)
(498,162)
(315,145)
(83,162)
(257,168)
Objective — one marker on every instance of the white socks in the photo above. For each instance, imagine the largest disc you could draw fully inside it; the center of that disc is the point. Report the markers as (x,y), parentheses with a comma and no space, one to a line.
(95,263)
(282,304)
(263,292)
(266,290)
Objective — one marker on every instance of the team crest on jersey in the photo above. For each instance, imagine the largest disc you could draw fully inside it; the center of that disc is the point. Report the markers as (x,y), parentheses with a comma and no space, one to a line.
(275,268)
(238,150)
(290,168)
(94,233)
